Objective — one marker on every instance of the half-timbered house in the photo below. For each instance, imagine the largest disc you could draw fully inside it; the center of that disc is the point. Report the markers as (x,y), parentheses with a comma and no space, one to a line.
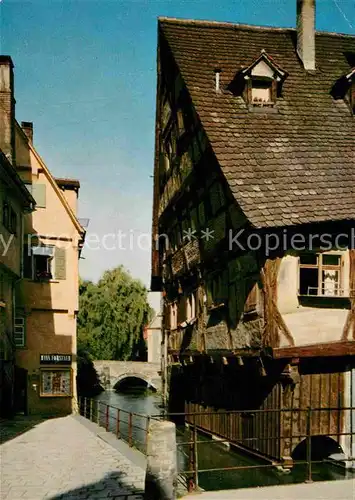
(253,226)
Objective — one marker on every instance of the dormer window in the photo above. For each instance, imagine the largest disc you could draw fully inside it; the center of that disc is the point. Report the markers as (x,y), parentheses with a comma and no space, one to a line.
(351,80)
(344,88)
(262,81)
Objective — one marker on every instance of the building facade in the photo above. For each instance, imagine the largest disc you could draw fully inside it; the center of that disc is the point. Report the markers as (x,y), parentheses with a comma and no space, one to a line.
(47,296)
(153,338)
(15,202)
(253,223)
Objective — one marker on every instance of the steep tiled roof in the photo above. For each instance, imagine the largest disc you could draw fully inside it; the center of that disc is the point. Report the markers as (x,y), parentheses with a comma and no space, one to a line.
(293,166)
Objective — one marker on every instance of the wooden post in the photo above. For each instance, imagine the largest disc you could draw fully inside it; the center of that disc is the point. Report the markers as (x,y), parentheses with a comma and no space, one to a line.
(130,418)
(118,424)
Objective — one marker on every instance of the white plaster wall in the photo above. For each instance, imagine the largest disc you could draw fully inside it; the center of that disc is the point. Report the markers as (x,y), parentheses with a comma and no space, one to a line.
(154,345)
(312,325)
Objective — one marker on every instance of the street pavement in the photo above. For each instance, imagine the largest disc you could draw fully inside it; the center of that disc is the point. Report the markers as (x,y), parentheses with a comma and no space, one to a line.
(61,458)
(322,490)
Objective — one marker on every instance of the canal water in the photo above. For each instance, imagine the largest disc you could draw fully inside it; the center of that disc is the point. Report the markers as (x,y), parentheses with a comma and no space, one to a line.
(211,454)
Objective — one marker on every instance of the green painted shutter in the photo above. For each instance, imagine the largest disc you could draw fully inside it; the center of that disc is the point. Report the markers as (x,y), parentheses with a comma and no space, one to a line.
(60,263)
(39,194)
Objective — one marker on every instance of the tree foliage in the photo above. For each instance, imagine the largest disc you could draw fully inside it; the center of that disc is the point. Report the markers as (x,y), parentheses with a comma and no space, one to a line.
(112,316)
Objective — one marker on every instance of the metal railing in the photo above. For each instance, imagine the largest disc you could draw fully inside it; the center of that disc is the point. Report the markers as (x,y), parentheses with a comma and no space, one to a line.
(133,428)
(129,426)
(191,449)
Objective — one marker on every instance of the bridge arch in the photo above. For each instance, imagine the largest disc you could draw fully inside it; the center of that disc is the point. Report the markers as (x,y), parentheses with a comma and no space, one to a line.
(131,375)
(111,372)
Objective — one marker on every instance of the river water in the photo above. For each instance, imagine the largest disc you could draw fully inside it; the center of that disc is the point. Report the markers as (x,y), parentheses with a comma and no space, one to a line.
(211,454)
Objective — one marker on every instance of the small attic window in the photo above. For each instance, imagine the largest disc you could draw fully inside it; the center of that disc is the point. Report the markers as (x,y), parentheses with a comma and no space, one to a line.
(261,91)
(263,81)
(344,88)
(352,94)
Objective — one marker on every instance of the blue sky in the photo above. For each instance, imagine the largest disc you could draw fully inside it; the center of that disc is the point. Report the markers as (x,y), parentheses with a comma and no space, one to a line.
(85,75)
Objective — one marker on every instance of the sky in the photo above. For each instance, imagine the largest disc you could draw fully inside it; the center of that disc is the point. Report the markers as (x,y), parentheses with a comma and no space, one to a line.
(85,75)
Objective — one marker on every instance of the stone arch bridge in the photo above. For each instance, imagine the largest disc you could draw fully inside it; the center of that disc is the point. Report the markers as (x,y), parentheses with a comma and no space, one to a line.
(112,373)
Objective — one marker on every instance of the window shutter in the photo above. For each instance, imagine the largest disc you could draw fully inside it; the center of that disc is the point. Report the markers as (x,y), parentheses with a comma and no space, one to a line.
(39,194)
(19,331)
(60,263)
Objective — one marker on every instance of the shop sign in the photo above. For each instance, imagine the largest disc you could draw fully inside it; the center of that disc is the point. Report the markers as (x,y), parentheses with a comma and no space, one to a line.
(55,359)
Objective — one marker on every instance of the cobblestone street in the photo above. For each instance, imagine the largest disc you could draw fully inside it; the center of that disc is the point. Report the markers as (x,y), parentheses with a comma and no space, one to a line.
(62,459)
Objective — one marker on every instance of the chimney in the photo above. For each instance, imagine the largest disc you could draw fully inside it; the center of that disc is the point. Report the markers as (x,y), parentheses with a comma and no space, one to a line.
(7,108)
(27,127)
(306,33)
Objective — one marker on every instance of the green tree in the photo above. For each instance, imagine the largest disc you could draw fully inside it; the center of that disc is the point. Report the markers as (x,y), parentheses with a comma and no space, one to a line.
(112,316)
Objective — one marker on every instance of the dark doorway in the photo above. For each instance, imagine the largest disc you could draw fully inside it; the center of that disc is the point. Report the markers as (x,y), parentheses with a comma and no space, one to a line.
(20,396)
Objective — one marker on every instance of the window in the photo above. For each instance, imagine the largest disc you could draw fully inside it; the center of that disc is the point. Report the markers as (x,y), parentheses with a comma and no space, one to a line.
(56,383)
(261,91)
(19,331)
(9,218)
(42,263)
(344,88)
(262,81)
(320,274)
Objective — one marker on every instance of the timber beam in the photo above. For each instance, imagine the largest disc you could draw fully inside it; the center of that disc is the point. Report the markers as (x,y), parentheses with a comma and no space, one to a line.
(326,349)
(248,353)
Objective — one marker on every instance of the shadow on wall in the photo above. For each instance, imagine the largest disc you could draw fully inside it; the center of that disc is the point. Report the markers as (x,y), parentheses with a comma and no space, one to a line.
(113,485)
